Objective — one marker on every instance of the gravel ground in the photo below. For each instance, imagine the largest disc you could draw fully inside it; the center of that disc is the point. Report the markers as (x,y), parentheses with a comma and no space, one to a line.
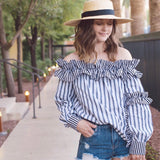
(8,126)
(155,139)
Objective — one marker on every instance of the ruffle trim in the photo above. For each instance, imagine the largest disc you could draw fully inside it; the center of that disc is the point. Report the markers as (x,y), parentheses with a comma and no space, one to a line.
(69,71)
(129,134)
(131,99)
(137,97)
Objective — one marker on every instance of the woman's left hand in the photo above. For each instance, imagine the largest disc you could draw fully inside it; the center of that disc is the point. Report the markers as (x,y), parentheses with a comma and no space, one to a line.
(137,157)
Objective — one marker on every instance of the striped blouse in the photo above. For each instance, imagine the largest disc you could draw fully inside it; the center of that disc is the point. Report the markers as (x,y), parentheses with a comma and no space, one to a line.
(105,93)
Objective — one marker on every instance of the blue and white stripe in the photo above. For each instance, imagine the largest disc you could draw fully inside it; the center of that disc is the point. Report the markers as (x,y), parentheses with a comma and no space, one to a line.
(105,93)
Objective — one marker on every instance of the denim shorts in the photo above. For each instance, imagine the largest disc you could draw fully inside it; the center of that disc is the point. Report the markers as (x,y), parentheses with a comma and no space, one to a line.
(104,144)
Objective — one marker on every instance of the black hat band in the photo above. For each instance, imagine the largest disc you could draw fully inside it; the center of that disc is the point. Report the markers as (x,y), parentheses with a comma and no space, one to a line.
(98,13)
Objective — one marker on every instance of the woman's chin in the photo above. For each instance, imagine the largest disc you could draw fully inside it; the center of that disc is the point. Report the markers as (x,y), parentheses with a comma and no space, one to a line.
(101,40)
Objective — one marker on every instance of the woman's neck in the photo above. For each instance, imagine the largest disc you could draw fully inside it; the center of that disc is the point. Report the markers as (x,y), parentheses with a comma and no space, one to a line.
(99,48)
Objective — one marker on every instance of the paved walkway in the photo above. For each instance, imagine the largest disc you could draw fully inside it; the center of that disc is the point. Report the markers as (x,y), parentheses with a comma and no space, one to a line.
(44,138)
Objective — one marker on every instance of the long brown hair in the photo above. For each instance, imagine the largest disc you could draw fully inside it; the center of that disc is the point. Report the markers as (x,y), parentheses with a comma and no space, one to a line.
(85,40)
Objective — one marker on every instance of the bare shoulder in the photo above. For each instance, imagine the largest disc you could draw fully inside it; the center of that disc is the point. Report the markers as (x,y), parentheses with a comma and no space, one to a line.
(71,56)
(124,54)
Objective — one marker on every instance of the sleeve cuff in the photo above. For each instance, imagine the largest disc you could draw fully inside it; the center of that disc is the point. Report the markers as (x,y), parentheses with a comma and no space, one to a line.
(137,148)
(73,121)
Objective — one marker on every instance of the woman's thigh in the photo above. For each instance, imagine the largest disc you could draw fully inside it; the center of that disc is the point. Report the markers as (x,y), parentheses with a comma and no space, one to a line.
(122,158)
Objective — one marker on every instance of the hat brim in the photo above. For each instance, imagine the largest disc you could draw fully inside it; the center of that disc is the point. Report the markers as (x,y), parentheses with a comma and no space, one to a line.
(120,20)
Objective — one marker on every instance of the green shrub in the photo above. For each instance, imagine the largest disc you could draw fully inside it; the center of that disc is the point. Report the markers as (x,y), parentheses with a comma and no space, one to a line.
(26,76)
(42,65)
(3,77)
(26,51)
(151,154)
(14,71)
(55,57)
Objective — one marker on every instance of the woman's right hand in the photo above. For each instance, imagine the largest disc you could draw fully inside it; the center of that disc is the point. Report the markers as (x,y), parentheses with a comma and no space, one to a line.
(85,128)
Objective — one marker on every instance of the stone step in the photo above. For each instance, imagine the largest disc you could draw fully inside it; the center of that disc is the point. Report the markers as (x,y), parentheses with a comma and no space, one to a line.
(18,111)
(6,104)
(12,110)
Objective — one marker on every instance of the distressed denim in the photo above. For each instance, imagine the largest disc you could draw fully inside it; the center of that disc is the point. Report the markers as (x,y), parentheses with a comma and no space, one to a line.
(104,144)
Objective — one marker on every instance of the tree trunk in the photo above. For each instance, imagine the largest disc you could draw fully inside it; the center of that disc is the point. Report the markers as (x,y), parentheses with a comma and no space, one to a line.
(117,10)
(33,59)
(19,53)
(1,86)
(42,47)
(154,6)
(138,14)
(32,44)
(5,55)
(5,46)
(8,74)
(50,48)
(19,71)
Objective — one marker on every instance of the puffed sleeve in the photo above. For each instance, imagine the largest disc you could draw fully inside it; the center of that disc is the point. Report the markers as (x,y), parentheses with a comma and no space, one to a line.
(65,99)
(139,119)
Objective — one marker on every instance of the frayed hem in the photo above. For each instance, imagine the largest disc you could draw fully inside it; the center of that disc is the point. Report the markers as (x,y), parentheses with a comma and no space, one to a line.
(122,156)
(88,156)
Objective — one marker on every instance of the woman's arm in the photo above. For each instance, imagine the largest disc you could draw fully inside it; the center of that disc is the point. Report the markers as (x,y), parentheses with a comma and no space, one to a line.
(139,115)
(65,99)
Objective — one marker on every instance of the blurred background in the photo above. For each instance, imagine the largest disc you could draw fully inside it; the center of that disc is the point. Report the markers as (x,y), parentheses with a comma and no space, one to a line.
(32,33)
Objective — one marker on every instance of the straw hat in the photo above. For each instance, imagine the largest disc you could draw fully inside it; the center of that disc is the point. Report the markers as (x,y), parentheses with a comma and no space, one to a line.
(97,9)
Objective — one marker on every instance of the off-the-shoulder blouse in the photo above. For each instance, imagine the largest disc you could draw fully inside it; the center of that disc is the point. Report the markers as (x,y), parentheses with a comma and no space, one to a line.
(105,93)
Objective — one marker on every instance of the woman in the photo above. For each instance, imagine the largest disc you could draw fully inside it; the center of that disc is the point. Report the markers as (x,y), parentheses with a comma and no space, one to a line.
(100,93)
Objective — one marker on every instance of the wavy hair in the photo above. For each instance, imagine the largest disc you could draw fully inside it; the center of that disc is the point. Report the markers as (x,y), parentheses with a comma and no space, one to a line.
(85,40)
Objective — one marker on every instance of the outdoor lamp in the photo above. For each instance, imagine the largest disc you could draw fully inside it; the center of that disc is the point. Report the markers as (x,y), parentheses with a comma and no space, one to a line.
(49,71)
(53,68)
(37,79)
(26,93)
(44,76)
(1,122)
(1,127)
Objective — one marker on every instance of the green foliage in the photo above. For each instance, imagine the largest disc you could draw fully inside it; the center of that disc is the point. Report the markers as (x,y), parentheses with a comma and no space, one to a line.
(14,72)
(11,10)
(26,51)
(71,9)
(8,25)
(4,85)
(26,76)
(126,3)
(148,18)
(55,57)
(50,15)
(42,65)
(2,74)
(151,154)
(38,49)
(42,15)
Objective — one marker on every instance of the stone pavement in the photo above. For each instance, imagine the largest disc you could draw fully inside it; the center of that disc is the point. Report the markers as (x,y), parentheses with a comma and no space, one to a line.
(43,138)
